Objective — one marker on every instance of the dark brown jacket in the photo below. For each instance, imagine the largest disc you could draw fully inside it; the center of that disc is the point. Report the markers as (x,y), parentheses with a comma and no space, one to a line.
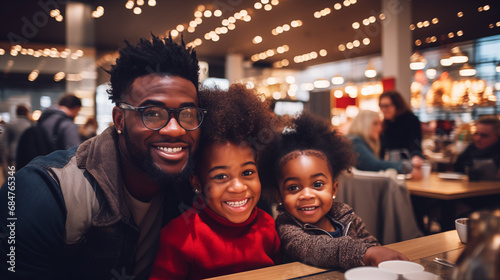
(314,246)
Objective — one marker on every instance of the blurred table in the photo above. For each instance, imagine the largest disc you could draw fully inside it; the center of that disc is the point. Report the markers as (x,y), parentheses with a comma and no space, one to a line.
(443,195)
(435,187)
(445,245)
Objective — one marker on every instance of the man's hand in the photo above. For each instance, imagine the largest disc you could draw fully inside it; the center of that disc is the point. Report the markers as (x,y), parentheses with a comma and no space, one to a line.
(377,254)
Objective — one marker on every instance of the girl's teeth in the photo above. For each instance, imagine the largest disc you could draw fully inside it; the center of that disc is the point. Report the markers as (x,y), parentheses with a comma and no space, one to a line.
(308,208)
(237,203)
(170,150)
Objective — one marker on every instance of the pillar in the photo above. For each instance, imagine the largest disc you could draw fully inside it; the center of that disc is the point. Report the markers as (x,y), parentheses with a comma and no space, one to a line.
(234,67)
(397,44)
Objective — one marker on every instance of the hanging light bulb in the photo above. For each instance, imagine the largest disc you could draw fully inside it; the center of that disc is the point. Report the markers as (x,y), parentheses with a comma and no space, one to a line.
(446,60)
(417,61)
(457,56)
(370,71)
(467,71)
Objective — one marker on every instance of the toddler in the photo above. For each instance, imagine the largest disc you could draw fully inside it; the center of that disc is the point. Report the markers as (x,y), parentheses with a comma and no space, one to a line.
(300,170)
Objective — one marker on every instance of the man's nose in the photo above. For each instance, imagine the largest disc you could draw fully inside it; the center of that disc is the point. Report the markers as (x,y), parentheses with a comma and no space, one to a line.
(173,128)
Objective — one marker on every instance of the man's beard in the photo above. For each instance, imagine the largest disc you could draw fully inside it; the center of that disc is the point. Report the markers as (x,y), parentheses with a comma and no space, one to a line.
(146,164)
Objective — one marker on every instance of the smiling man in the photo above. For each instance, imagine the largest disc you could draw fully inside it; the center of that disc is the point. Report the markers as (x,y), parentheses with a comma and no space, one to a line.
(485,147)
(95,211)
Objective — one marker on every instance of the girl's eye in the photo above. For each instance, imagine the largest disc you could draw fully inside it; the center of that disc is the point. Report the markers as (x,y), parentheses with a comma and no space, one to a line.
(293,188)
(219,177)
(318,184)
(248,172)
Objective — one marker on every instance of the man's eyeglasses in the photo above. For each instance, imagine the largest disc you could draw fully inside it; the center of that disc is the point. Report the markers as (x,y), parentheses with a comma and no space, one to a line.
(156,117)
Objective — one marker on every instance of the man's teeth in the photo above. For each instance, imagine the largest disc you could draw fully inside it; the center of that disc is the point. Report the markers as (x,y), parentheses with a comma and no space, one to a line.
(308,208)
(237,203)
(170,150)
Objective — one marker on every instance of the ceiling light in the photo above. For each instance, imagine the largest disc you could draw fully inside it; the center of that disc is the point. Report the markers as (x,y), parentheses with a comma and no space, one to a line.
(417,61)
(129,5)
(257,40)
(321,83)
(337,80)
(466,70)
(218,13)
(257,5)
(431,73)
(446,60)
(307,86)
(207,13)
(338,93)
(457,56)
(370,71)
(137,11)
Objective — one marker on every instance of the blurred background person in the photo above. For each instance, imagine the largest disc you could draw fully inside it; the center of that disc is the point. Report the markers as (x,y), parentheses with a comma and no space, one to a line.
(88,129)
(12,132)
(58,122)
(401,129)
(364,132)
(485,145)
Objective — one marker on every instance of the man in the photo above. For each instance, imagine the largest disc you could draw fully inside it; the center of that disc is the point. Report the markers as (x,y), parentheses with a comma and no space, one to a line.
(96,211)
(13,132)
(57,121)
(55,130)
(486,145)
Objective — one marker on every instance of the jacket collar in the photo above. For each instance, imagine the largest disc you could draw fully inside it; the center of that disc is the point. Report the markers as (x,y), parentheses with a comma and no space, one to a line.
(99,156)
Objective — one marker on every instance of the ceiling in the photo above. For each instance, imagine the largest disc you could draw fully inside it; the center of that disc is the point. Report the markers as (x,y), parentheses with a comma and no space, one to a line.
(27,21)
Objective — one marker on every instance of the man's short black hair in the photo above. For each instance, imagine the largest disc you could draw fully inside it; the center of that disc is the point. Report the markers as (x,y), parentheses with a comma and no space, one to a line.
(159,56)
(70,101)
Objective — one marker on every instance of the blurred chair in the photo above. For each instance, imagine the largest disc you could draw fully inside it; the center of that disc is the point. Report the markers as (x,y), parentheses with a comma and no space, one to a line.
(383,202)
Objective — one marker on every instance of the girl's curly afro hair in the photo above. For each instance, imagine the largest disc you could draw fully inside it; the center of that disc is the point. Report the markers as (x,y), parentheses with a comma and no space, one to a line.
(306,132)
(238,116)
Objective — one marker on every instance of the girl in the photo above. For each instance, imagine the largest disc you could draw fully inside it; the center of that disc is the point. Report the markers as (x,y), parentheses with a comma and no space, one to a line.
(300,170)
(223,232)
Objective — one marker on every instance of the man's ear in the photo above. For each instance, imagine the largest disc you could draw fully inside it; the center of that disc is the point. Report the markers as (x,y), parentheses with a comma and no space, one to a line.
(195,183)
(118,118)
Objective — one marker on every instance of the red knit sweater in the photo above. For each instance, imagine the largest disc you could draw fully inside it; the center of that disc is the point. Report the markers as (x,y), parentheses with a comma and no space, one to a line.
(201,244)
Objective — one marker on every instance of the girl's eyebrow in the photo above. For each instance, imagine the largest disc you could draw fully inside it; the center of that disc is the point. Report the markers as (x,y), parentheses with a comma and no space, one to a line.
(227,167)
(296,178)
(318,175)
(218,167)
(249,163)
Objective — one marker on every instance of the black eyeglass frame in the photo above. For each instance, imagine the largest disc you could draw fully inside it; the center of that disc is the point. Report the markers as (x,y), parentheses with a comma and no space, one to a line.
(201,114)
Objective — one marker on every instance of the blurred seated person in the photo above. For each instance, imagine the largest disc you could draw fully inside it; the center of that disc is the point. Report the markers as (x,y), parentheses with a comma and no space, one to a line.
(485,145)
(401,129)
(364,132)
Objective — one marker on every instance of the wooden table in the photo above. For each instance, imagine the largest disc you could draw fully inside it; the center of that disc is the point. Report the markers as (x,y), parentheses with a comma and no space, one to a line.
(434,187)
(448,193)
(446,245)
